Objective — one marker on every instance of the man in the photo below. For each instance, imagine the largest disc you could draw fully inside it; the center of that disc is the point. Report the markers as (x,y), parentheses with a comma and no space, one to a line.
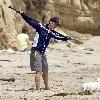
(38,60)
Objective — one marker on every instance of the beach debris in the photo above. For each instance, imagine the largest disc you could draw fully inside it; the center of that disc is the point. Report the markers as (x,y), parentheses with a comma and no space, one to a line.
(8,79)
(92,86)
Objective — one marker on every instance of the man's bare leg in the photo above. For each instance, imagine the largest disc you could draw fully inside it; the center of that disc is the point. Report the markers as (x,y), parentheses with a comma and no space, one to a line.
(37,80)
(45,78)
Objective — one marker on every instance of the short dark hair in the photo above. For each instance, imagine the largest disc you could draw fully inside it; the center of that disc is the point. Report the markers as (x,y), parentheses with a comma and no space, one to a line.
(55,20)
(24,29)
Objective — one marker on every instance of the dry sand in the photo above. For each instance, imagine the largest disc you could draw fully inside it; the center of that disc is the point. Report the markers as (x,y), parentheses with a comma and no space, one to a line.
(69,68)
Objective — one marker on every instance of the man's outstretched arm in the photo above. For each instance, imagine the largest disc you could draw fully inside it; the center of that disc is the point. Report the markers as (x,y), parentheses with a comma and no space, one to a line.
(59,36)
(30,21)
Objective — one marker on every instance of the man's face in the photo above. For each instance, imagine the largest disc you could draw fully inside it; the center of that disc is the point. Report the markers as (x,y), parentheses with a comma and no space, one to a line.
(52,26)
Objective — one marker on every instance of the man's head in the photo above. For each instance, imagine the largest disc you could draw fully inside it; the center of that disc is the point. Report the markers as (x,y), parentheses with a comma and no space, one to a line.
(25,29)
(54,22)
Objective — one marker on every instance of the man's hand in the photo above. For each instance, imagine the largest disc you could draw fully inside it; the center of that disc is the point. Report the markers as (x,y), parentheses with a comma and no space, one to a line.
(76,41)
(18,11)
(69,37)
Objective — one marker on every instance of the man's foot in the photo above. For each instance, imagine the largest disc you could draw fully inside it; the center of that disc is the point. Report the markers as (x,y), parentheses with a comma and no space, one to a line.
(47,88)
(38,89)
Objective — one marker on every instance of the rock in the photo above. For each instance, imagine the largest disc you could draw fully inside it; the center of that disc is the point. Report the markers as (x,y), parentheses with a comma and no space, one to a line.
(22,42)
(91,86)
(10,23)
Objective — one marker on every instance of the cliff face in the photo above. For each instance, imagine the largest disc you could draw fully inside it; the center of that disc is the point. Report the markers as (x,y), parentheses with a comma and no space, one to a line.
(10,25)
(83,15)
(77,15)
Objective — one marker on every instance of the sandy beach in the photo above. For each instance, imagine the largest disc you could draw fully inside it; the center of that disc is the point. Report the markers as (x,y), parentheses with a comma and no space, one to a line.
(69,68)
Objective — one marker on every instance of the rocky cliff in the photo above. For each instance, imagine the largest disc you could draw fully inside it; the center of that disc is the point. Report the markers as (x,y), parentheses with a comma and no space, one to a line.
(77,15)
(10,25)
(82,15)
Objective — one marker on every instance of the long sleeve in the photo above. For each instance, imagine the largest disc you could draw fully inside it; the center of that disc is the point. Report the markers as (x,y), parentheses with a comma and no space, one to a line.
(59,36)
(30,21)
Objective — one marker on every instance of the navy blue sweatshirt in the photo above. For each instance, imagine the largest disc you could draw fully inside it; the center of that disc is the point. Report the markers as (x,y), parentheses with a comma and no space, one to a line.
(44,33)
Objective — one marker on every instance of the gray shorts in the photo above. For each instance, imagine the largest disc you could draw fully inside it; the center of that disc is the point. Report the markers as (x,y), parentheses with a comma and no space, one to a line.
(38,61)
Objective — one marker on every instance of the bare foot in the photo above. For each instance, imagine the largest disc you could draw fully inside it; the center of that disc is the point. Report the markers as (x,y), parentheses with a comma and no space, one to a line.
(47,88)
